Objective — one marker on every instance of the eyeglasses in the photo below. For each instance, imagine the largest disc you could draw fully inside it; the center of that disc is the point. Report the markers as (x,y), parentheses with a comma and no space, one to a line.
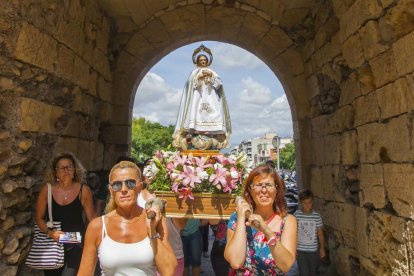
(129,183)
(65,168)
(259,186)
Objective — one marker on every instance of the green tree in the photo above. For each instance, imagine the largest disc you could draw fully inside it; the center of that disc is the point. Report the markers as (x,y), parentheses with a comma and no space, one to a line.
(287,157)
(148,137)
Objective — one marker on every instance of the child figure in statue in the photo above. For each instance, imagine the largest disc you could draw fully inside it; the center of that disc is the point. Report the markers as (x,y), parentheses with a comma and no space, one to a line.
(203,121)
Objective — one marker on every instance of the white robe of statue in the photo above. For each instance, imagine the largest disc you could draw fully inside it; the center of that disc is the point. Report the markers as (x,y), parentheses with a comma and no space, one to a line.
(203,107)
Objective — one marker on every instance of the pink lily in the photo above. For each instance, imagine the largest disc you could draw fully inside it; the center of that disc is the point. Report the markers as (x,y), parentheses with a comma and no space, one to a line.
(219,177)
(190,178)
(178,160)
(201,162)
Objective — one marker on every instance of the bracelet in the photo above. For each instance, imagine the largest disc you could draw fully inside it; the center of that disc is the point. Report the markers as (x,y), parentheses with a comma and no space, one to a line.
(155,236)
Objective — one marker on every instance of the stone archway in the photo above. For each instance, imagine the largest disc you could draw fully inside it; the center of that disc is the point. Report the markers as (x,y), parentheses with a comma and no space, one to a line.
(142,45)
(69,73)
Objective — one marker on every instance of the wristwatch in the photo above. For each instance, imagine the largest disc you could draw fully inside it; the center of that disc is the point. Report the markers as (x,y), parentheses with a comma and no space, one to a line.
(155,236)
(273,240)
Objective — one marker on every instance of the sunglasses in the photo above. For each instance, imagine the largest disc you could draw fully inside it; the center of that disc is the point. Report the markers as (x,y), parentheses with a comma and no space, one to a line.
(129,183)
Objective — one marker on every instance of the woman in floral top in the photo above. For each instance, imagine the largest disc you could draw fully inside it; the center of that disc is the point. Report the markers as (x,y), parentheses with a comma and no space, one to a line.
(261,237)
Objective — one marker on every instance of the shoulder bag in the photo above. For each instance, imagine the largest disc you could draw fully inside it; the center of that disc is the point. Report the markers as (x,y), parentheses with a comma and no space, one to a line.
(45,252)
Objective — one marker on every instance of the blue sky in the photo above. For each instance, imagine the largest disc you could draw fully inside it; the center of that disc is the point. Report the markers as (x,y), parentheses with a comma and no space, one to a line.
(256,100)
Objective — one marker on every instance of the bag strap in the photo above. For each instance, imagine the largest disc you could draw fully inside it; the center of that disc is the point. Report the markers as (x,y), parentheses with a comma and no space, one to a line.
(49,203)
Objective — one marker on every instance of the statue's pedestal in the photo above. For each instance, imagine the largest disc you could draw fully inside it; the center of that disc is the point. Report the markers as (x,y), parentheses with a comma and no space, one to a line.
(200,153)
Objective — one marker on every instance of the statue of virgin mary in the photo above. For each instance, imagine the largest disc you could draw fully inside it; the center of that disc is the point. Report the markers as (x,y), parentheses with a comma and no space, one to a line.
(203,120)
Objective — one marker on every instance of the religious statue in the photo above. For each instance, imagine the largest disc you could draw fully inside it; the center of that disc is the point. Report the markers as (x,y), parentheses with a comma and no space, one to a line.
(203,121)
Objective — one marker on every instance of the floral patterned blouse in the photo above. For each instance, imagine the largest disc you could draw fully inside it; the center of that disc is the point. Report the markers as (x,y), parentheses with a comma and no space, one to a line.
(259,260)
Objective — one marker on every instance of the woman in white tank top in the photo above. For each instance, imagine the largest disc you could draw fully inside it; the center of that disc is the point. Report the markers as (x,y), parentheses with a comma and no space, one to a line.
(126,242)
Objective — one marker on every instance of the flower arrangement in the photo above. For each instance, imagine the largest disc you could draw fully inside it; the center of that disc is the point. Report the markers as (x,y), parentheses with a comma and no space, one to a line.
(171,171)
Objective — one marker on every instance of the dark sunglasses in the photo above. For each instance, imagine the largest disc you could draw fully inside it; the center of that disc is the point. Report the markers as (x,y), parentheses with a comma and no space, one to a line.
(129,183)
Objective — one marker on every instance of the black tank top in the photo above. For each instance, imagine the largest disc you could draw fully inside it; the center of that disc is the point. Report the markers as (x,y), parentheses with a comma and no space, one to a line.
(70,215)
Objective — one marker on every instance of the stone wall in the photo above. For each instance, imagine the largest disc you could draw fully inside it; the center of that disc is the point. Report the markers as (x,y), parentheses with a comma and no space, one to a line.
(360,79)
(55,95)
(347,67)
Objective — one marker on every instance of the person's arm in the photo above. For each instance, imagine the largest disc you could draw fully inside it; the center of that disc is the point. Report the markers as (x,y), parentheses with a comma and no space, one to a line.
(41,206)
(92,241)
(284,251)
(235,251)
(87,203)
(165,259)
(321,240)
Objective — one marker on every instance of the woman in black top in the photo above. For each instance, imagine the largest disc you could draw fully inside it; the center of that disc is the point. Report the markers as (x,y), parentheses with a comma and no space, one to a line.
(70,198)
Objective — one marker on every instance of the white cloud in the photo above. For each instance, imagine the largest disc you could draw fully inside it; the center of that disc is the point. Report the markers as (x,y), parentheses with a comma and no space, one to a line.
(227,56)
(156,100)
(258,112)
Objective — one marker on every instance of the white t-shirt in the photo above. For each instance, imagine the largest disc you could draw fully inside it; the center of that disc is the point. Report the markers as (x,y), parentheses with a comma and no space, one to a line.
(308,225)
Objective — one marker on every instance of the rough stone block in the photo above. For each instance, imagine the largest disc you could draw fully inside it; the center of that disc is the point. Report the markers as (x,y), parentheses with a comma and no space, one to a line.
(372,185)
(362,232)
(397,181)
(183,21)
(83,103)
(93,79)
(104,90)
(352,51)
(392,99)
(366,109)
(69,32)
(350,90)
(101,64)
(156,34)
(357,14)
(6,83)
(316,181)
(371,40)
(395,140)
(403,54)
(366,79)
(105,111)
(349,148)
(275,39)
(292,61)
(65,144)
(409,95)
(331,184)
(342,119)
(347,223)
(369,143)
(81,73)
(38,116)
(384,68)
(117,134)
(65,65)
(387,244)
(36,48)
(317,151)
(331,150)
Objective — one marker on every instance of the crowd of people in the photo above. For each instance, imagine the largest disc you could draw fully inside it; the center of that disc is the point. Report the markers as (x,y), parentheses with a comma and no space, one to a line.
(260,238)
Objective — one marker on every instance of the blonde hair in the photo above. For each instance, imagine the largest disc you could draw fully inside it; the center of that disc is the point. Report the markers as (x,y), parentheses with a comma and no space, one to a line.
(79,172)
(111,205)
